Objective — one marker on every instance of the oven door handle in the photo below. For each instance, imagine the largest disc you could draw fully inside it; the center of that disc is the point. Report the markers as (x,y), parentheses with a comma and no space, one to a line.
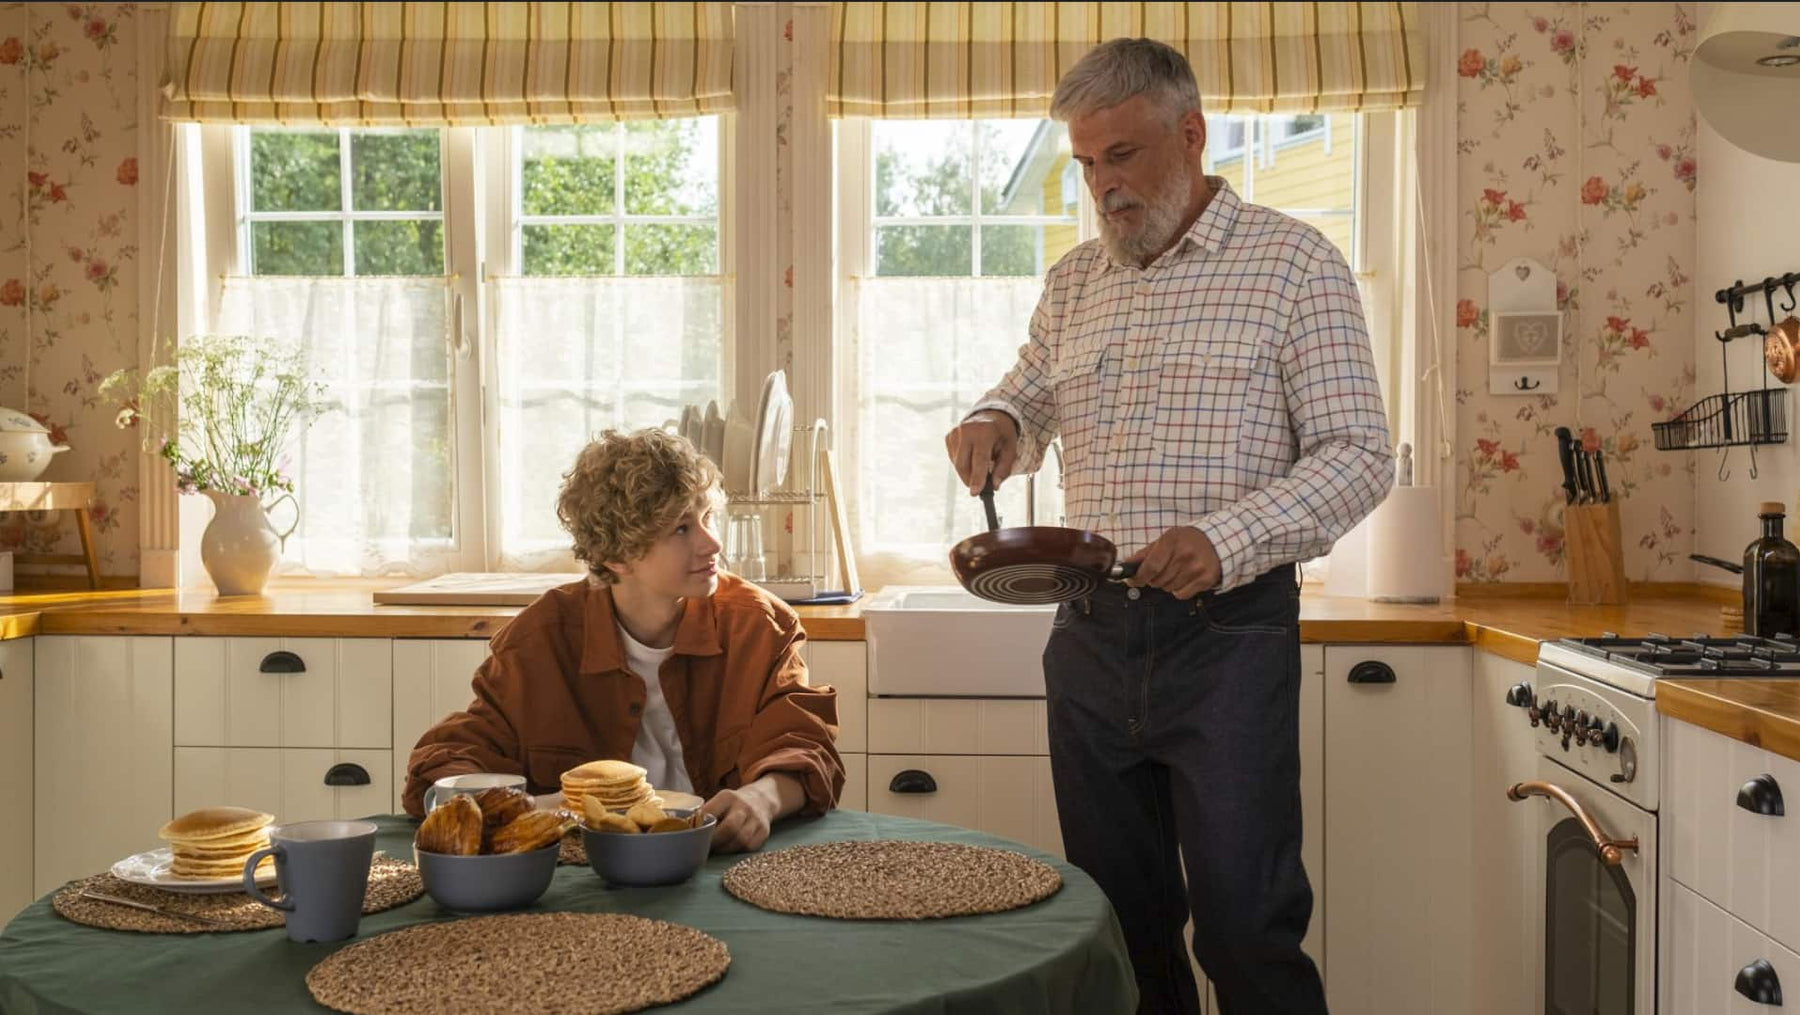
(1612,851)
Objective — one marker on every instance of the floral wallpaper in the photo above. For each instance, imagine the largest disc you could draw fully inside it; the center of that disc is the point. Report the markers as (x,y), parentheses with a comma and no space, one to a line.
(1576,148)
(68,256)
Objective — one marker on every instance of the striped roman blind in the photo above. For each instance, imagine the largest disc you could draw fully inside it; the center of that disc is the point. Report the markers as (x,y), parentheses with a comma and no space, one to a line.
(901,60)
(447,64)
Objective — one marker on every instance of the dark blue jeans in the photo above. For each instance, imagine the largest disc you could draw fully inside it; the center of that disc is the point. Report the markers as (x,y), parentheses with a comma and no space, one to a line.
(1176,724)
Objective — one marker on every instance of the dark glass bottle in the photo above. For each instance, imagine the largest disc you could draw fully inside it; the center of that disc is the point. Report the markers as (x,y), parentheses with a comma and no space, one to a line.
(1771,579)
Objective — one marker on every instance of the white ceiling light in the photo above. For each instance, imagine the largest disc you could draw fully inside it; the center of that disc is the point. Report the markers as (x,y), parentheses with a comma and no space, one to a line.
(1746,77)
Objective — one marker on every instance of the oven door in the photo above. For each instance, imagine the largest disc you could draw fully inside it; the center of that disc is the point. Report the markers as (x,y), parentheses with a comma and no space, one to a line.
(1598,916)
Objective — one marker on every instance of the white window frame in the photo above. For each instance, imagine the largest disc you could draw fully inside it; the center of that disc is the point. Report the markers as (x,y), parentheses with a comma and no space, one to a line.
(479,185)
(248,216)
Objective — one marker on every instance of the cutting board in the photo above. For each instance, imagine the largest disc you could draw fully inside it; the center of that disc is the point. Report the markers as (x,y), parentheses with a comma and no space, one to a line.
(476,589)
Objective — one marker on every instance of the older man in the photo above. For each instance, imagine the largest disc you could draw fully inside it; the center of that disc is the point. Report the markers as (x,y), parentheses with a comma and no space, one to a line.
(1208,370)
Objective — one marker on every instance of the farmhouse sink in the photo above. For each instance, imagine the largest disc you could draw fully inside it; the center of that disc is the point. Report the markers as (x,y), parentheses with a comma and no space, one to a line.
(939,641)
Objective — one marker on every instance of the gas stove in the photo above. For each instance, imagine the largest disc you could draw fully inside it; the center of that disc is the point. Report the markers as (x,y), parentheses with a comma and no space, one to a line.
(1634,664)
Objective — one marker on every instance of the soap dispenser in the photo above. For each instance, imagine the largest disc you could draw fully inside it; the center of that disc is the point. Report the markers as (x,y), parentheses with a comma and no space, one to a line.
(1771,579)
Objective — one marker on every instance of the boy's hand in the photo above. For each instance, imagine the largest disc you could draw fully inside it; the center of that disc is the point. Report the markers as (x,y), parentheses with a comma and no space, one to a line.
(744,819)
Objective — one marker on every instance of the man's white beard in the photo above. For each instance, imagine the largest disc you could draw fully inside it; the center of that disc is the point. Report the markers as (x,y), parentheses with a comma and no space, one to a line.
(1161,219)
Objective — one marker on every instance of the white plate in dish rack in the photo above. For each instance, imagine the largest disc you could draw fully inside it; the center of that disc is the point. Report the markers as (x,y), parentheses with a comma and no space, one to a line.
(774,435)
(152,870)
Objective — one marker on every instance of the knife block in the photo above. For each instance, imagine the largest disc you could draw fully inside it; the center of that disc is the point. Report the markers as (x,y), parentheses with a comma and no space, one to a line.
(1595,553)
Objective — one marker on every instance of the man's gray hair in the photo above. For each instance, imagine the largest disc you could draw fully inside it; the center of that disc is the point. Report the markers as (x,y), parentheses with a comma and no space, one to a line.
(1119,69)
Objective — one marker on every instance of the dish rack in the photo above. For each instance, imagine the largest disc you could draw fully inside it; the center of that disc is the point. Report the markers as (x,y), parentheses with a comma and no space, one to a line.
(1732,419)
(800,555)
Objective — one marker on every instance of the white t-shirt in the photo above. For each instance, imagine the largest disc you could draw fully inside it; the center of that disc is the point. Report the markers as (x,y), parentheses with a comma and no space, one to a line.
(658,747)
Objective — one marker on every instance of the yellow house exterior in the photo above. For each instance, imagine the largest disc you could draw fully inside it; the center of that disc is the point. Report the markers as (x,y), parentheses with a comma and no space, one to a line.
(1311,175)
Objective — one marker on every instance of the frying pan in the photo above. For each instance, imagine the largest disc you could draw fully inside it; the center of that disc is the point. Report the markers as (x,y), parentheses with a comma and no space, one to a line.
(1035,564)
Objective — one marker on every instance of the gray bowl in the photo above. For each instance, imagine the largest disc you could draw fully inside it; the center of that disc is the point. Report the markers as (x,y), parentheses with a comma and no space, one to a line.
(649,858)
(479,884)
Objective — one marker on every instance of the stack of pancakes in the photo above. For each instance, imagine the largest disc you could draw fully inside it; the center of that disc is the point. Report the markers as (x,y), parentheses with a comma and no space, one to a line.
(614,785)
(215,842)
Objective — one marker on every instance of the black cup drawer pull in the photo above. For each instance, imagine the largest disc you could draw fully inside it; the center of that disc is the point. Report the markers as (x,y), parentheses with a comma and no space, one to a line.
(1761,795)
(912,781)
(1369,671)
(1758,982)
(282,661)
(347,773)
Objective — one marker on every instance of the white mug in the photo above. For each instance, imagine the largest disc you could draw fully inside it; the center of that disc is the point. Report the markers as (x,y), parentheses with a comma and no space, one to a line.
(468,782)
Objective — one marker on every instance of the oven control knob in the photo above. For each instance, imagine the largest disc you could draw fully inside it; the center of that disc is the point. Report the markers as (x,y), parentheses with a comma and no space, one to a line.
(1581,718)
(1627,761)
(1550,707)
(1565,741)
(1568,711)
(1611,737)
(1534,715)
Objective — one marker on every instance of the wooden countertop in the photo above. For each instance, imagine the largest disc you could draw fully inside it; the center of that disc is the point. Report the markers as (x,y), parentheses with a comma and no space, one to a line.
(1761,712)
(1508,622)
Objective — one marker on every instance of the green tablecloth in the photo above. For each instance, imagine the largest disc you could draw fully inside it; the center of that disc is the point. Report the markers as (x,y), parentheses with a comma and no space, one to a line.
(1064,954)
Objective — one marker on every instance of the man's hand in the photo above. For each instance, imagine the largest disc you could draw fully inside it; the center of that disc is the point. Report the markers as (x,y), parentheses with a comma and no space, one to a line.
(985,437)
(1182,562)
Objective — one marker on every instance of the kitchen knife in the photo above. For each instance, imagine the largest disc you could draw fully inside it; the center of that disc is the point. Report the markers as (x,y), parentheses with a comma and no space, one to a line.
(1565,453)
(1600,477)
(1584,482)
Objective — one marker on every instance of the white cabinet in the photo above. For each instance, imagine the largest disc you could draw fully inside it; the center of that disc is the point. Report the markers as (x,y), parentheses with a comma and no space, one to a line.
(432,678)
(843,665)
(283,692)
(1506,872)
(1720,842)
(1007,796)
(104,752)
(1708,953)
(1397,829)
(855,796)
(958,726)
(15,776)
(294,784)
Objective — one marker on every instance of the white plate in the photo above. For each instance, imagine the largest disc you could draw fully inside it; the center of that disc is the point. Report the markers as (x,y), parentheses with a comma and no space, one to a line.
(152,870)
(690,420)
(740,452)
(714,429)
(774,435)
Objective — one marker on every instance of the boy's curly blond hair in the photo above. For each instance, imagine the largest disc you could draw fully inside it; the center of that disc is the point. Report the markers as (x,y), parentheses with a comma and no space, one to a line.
(626,491)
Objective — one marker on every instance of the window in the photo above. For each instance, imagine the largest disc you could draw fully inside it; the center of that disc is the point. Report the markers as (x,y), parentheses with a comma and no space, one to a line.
(614,315)
(945,230)
(340,242)
(589,295)
(948,228)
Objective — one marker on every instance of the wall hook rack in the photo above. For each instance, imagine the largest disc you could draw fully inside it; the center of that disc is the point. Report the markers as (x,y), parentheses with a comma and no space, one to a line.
(1527,384)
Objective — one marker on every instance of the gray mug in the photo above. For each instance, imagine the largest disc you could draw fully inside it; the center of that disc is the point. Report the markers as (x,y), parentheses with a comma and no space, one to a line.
(322,871)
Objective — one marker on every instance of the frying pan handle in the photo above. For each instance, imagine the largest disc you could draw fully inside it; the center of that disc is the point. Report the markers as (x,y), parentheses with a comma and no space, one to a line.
(987,503)
(1123,570)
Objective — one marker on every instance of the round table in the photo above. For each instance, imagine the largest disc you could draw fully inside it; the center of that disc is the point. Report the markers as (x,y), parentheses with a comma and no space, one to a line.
(1065,954)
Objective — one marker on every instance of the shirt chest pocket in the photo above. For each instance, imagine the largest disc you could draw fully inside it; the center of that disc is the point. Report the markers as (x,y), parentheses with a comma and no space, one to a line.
(1078,373)
(1204,380)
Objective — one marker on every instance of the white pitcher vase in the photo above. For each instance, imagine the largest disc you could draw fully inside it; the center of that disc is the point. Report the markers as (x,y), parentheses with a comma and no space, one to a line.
(239,547)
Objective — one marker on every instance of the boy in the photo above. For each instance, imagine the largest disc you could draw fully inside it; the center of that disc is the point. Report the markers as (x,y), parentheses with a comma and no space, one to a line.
(658,657)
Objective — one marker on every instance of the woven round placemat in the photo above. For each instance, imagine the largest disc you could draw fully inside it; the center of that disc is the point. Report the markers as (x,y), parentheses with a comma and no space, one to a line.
(542,963)
(890,880)
(573,852)
(391,883)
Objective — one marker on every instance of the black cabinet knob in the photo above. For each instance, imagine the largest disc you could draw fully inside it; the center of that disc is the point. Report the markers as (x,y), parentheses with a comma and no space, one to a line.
(1761,795)
(282,661)
(347,774)
(1758,982)
(912,780)
(1371,671)
(1611,737)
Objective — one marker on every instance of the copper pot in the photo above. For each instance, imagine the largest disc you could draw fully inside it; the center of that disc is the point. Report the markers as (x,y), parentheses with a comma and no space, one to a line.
(1781,349)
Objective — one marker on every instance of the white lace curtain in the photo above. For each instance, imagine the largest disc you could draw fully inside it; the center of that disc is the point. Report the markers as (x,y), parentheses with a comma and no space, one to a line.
(924,349)
(578,356)
(375,475)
